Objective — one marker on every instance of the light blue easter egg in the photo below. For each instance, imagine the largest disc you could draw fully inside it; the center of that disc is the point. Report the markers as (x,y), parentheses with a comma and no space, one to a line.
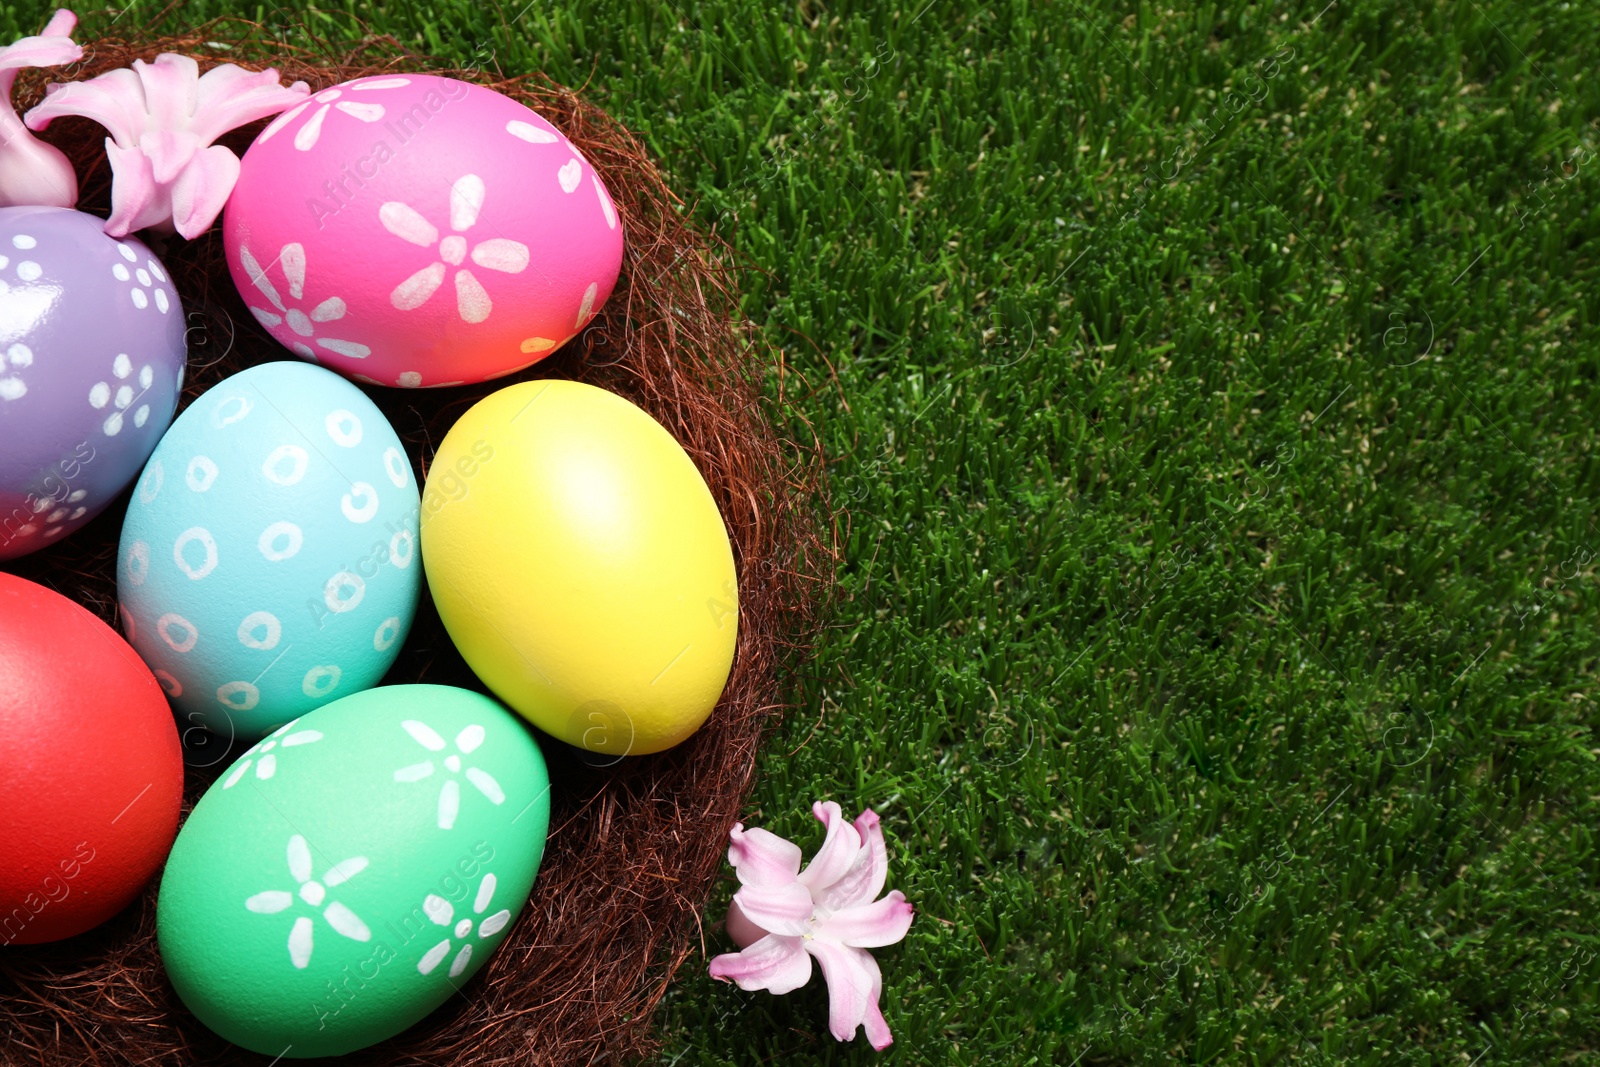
(268,562)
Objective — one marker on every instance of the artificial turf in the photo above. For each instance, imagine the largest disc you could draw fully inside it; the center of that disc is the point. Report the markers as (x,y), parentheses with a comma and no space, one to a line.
(1210,399)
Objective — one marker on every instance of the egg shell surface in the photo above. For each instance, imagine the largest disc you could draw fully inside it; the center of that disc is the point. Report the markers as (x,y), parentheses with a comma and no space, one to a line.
(91,773)
(414,230)
(353,870)
(91,363)
(581,566)
(268,557)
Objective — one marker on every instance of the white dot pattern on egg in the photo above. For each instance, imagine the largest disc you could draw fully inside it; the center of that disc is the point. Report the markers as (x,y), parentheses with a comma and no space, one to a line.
(276,574)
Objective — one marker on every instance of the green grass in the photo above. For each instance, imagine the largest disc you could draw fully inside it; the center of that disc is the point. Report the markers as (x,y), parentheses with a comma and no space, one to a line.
(1211,398)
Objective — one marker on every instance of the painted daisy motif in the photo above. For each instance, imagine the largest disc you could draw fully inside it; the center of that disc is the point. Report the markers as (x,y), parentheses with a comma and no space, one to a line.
(312,893)
(440,911)
(497,253)
(292,261)
(467,741)
(266,760)
(331,101)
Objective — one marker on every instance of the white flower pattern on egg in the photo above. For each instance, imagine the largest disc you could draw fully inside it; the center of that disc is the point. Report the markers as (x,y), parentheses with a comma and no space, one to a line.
(331,100)
(467,741)
(497,253)
(261,754)
(292,261)
(312,892)
(441,913)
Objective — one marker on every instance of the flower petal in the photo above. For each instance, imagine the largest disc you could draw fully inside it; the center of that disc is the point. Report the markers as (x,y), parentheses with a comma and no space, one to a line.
(472,301)
(431,958)
(169,151)
(293,258)
(115,100)
(864,880)
(258,277)
(136,202)
(870,925)
(330,310)
(494,923)
(854,983)
(484,782)
(406,223)
(424,735)
(344,870)
(777,909)
(470,738)
(449,804)
(776,964)
(744,932)
(300,942)
(346,922)
(228,96)
(169,90)
(52,48)
(838,851)
(414,773)
(499,253)
(761,857)
(202,189)
(32,172)
(415,290)
(459,964)
(269,902)
(466,200)
(438,909)
(299,859)
(485,893)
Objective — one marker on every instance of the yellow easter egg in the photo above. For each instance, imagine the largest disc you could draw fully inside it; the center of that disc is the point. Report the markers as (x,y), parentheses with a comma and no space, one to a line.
(581,566)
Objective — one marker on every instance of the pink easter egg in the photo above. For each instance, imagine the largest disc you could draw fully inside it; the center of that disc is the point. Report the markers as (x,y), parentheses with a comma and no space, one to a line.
(414,230)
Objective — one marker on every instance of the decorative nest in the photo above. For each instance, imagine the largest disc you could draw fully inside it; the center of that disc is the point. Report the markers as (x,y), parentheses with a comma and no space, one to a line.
(635,845)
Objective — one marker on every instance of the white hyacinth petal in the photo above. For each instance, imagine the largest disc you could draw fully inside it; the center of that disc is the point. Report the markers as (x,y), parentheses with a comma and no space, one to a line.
(494,923)
(414,773)
(300,943)
(449,804)
(466,200)
(299,859)
(270,902)
(405,223)
(470,738)
(346,922)
(293,258)
(415,290)
(344,870)
(486,784)
(431,959)
(424,735)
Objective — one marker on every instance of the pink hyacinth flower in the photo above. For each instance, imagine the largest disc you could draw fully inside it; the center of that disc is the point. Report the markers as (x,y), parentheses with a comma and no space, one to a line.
(163,116)
(32,172)
(782,917)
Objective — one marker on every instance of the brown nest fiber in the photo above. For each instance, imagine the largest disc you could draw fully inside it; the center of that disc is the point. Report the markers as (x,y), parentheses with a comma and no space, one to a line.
(634,847)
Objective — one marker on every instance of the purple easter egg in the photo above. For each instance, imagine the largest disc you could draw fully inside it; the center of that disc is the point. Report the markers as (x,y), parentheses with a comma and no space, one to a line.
(91,364)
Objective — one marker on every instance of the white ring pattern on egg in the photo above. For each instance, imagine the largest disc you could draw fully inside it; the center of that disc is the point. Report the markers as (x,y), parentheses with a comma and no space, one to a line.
(245,688)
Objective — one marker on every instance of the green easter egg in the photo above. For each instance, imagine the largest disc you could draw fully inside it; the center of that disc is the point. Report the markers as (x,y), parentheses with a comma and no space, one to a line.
(354,869)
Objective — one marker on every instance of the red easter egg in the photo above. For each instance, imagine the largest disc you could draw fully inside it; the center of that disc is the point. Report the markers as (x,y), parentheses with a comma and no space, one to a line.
(91,773)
